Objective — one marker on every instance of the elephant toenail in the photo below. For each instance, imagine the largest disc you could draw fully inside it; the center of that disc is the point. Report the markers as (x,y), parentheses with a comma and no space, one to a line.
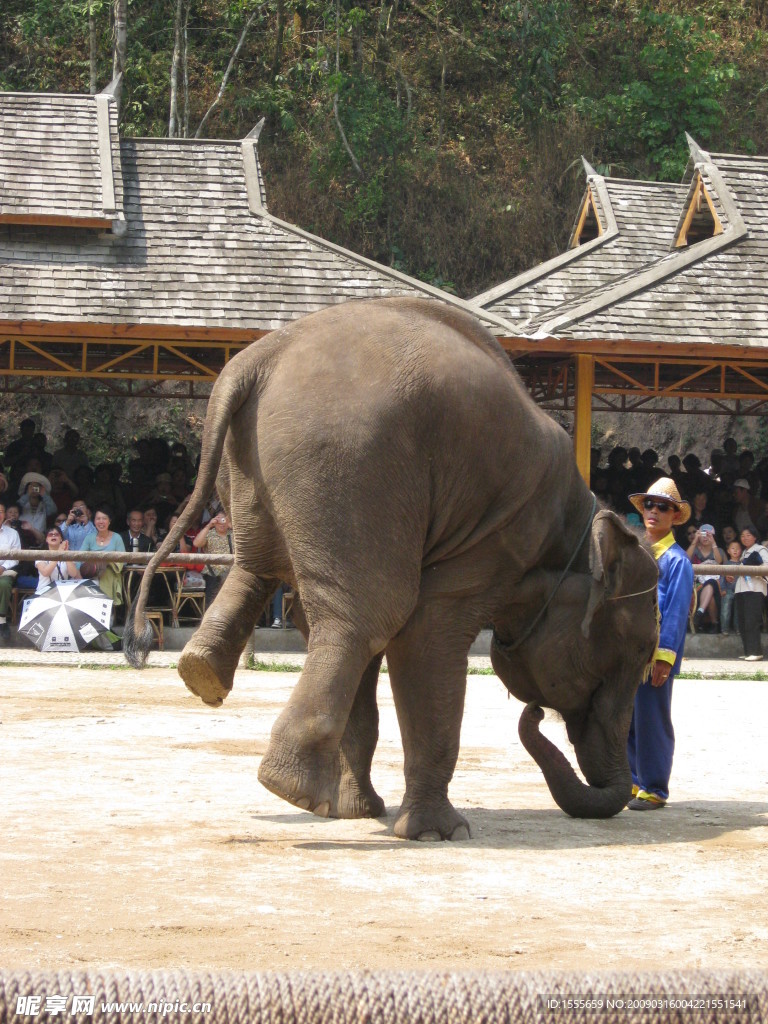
(303,803)
(323,810)
(459,833)
(430,837)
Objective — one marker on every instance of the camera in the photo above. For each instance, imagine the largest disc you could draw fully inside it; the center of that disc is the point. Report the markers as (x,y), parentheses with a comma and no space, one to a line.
(77,513)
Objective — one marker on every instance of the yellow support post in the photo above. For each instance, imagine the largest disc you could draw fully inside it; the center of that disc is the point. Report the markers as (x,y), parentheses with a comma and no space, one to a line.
(582,427)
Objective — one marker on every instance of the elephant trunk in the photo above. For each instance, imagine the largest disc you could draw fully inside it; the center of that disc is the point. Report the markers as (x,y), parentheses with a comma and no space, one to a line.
(603,798)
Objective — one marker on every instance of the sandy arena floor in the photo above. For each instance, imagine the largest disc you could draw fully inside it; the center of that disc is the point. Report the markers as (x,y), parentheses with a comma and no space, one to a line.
(136,835)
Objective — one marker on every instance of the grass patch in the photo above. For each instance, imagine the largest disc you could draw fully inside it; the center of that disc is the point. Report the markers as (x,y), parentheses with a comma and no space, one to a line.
(754,677)
(273,666)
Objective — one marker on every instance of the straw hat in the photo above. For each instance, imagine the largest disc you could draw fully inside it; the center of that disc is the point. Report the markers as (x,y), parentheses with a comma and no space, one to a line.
(666,489)
(35,478)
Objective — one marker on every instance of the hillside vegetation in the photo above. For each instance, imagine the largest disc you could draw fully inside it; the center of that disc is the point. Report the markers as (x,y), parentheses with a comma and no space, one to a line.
(441,137)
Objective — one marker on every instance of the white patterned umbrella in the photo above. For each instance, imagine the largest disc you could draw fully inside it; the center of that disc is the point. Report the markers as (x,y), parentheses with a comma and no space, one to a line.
(68,616)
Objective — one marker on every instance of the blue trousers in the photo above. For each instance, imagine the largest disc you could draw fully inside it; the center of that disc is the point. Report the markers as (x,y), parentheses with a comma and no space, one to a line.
(651,744)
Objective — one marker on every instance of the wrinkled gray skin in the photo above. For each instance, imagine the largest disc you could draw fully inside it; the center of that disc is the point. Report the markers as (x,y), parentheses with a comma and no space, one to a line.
(385,460)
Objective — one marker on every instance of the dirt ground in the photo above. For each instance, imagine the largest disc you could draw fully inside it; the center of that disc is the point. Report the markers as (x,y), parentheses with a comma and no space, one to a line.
(136,835)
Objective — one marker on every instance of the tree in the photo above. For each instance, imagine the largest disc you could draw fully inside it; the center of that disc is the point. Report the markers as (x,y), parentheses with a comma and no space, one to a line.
(121,44)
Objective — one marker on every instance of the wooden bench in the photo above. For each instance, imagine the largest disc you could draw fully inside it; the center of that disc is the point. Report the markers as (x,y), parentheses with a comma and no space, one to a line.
(155,619)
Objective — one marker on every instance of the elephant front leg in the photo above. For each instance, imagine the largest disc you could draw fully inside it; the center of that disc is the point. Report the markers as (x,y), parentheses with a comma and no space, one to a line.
(316,760)
(428,685)
(208,663)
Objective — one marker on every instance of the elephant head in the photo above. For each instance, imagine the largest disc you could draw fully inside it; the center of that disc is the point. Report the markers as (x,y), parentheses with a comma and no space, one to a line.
(584,658)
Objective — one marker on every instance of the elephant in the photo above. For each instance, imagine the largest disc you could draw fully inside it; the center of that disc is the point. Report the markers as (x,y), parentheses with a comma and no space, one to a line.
(384,458)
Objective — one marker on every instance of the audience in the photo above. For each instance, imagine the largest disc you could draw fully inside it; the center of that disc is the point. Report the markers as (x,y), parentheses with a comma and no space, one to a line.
(727,499)
(728,587)
(702,548)
(107,574)
(51,572)
(60,489)
(215,538)
(9,541)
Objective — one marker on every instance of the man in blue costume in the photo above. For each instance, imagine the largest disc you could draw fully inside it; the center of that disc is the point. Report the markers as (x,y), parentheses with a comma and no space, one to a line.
(651,744)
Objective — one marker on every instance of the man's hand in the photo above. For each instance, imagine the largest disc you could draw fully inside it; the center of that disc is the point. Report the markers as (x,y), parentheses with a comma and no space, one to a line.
(661,670)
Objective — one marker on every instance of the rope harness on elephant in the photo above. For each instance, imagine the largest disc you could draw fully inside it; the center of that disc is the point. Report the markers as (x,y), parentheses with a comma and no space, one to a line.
(563,574)
(542,611)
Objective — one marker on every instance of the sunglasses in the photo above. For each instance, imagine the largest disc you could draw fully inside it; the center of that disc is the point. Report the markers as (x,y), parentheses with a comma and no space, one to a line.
(662,506)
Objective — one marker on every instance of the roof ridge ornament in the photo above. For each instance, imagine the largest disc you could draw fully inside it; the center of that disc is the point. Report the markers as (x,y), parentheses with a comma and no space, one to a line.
(589,170)
(113,89)
(698,155)
(255,132)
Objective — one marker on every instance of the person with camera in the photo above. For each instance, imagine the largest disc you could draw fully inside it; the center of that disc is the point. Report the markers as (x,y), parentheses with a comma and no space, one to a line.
(77,526)
(215,538)
(36,508)
(702,549)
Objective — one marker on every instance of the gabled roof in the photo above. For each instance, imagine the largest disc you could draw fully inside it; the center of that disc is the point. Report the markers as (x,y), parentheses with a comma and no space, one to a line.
(200,249)
(712,292)
(638,220)
(60,160)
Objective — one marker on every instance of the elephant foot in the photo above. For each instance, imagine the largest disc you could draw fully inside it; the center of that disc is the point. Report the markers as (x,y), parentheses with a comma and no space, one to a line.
(315,782)
(202,675)
(431,822)
(358,800)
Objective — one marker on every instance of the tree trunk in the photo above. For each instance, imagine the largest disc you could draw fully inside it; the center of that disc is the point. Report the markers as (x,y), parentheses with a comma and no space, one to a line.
(279,33)
(299,24)
(185,64)
(121,44)
(337,118)
(92,49)
(173,117)
(382,39)
(228,72)
(441,129)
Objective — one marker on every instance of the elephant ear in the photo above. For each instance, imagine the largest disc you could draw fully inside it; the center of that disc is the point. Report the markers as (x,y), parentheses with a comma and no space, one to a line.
(612,544)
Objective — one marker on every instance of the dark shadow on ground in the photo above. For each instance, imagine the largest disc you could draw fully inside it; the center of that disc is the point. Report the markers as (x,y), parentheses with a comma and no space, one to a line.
(693,822)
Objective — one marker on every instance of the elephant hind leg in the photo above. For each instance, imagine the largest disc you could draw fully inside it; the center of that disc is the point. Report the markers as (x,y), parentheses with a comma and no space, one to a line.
(316,760)
(208,663)
(349,777)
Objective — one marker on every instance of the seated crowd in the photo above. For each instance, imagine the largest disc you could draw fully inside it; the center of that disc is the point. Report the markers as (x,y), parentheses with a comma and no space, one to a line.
(58,501)
(728,525)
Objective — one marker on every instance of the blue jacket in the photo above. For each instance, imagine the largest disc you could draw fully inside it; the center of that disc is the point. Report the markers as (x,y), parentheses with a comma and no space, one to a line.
(675,592)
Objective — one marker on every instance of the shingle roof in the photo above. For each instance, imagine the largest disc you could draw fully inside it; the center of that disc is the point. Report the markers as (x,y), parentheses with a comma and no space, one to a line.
(59,158)
(199,248)
(713,292)
(638,219)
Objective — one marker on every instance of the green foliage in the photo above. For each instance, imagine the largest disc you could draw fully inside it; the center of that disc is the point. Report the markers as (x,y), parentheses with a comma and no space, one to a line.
(377,135)
(464,117)
(537,34)
(675,83)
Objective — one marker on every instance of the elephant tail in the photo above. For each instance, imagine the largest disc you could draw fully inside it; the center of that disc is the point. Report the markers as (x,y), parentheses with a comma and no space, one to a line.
(233,386)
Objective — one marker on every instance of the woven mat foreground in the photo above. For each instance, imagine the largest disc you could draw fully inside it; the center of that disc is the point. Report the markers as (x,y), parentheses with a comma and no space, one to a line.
(383,997)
